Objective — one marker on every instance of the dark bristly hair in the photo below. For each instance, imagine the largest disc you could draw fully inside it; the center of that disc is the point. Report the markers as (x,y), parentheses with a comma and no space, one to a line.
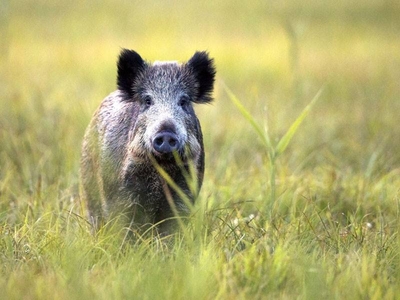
(130,64)
(204,71)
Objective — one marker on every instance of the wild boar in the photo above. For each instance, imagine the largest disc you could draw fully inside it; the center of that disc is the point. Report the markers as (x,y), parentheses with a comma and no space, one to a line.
(148,123)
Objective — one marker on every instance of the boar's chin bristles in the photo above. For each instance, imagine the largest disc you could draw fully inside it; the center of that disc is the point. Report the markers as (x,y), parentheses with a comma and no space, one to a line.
(130,65)
(204,71)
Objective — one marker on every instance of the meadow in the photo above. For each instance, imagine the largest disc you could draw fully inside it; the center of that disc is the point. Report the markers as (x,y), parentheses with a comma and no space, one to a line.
(306,212)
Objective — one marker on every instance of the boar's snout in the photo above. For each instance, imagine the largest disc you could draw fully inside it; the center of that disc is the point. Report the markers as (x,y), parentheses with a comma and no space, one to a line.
(166,142)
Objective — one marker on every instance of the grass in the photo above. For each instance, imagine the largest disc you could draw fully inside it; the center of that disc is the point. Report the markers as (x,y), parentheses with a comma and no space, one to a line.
(333,231)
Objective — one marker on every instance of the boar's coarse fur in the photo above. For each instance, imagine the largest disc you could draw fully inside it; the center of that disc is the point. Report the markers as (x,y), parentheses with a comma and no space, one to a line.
(150,118)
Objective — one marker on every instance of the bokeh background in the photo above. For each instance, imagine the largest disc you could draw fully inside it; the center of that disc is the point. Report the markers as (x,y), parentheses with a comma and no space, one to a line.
(58,61)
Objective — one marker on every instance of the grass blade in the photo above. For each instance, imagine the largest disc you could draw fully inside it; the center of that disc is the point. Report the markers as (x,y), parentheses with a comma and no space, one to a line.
(246,114)
(285,140)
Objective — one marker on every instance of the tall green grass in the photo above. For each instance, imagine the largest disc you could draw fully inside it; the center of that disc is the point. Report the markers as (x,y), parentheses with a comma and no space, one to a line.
(273,151)
(332,184)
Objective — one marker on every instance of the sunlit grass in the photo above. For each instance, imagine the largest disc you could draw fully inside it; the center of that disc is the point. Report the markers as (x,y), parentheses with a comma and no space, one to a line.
(334,233)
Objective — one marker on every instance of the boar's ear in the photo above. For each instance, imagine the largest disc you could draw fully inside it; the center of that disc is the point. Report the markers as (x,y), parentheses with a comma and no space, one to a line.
(130,64)
(204,71)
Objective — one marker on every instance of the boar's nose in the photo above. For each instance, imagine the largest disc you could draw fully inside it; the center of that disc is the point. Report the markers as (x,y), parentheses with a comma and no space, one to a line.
(166,142)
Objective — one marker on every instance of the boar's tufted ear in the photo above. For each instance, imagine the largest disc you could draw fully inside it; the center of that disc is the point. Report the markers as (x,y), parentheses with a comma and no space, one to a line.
(204,71)
(130,64)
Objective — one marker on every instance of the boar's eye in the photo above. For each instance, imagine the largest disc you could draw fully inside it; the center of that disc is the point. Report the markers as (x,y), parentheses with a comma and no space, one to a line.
(184,101)
(147,101)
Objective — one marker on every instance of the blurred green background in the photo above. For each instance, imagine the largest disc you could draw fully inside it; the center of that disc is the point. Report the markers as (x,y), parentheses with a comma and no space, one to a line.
(58,61)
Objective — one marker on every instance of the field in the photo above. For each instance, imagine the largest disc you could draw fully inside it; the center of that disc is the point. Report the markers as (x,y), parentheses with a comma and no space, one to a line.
(285,212)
